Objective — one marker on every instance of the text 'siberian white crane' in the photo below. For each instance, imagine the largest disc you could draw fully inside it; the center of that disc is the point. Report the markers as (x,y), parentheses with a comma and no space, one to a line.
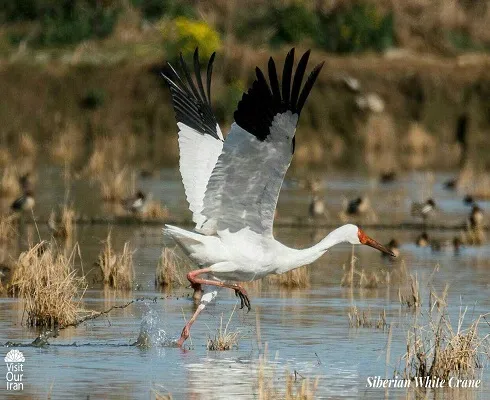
(232,185)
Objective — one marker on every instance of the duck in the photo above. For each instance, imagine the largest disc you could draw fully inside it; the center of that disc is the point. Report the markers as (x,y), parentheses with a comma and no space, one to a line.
(393,246)
(475,219)
(468,200)
(358,206)
(25,202)
(423,210)
(136,204)
(422,240)
(387,177)
(317,207)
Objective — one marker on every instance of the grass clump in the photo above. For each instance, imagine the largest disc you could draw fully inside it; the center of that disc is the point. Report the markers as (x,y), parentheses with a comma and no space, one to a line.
(294,388)
(364,319)
(169,273)
(155,210)
(48,283)
(66,227)
(9,183)
(436,348)
(117,268)
(411,296)
(223,339)
(298,278)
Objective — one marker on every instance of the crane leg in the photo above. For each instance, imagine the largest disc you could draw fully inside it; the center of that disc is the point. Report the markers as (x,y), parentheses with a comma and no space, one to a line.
(239,290)
(187,328)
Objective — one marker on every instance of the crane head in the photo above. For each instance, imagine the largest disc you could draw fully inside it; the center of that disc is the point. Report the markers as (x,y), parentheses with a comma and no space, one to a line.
(365,239)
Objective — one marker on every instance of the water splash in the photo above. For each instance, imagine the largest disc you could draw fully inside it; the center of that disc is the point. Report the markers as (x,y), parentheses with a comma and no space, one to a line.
(151,334)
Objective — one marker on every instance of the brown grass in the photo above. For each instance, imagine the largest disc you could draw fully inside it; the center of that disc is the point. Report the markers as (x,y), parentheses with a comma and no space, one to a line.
(411,296)
(364,319)
(26,146)
(9,182)
(298,278)
(66,227)
(436,348)
(7,229)
(294,389)
(155,210)
(114,184)
(117,268)
(169,271)
(5,157)
(224,339)
(48,283)
(65,147)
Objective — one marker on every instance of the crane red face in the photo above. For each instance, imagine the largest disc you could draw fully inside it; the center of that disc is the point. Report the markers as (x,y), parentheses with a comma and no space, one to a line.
(365,239)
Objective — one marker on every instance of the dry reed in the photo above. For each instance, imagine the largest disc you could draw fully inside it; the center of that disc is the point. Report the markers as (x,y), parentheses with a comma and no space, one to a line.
(364,319)
(48,283)
(27,147)
(155,210)
(269,389)
(9,183)
(114,184)
(298,278)
(66,228)
(411,297)
(437,349)
(117,269)
(224,339)
(169,272)
(7,229)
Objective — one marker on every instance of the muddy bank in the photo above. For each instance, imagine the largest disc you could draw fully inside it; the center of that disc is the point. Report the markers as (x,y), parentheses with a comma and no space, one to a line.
(428,112)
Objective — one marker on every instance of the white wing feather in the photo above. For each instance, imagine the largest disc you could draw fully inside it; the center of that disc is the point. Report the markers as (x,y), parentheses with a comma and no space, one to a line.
(198,156)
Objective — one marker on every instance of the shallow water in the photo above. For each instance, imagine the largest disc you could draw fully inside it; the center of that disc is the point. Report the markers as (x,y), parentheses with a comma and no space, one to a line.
(303,330)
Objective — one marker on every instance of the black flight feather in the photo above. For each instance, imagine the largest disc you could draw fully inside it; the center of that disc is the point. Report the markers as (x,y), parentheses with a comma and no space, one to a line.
(276,92)
(191,105)
(197,72)
(287,73)
(298,80)
(261,103)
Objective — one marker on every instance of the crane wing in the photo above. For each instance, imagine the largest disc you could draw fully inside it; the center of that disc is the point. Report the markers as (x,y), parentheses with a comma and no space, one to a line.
(200,137)
(244,186)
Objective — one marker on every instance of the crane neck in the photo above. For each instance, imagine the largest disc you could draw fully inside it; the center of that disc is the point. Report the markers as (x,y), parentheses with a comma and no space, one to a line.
(298,258)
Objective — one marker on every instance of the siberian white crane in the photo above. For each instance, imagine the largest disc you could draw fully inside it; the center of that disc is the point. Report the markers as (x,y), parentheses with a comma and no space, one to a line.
(232,185)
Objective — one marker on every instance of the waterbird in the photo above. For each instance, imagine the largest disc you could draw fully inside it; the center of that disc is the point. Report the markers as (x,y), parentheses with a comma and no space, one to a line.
(317,207)
(136,204)
(394,247)
(232,186)
(358,206)
(422,240)
(423,210)
(387,177)
(468,200)
(25,202)
(475,219)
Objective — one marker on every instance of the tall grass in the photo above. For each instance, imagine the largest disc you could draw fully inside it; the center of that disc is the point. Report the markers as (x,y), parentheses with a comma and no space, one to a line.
(269,388)
(48,283)
(436,347)
(169,270)
(117,268)
(9,183)
(298,278)
(224,339)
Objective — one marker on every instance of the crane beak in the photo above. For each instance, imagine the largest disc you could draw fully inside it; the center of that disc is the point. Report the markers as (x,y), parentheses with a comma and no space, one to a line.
(365,239)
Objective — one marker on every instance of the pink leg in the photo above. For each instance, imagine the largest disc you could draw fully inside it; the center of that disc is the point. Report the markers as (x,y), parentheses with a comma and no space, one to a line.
(192,277)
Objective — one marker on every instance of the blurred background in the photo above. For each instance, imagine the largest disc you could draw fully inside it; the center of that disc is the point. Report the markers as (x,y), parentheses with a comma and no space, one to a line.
(406,84)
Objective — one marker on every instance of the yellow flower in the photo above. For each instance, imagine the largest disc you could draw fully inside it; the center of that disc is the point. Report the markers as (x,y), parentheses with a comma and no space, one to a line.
(184,35)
